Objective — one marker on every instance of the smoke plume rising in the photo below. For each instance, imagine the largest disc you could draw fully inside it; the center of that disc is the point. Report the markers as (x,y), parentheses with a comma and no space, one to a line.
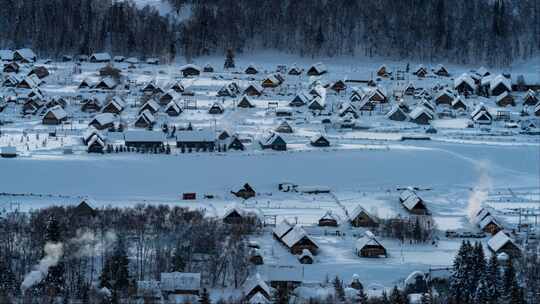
(53,253)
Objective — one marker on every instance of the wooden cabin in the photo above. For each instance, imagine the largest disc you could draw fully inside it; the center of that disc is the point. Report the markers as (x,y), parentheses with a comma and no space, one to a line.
(245,103)
(190,70)
(306,257)
(198,140)
(329,219)
(413,203)
(55,116)
(319,141)
(317,69)
(361,218)
(245,192)
(505,99)
(273,141)
(502,243)
(144,139)
(369,247)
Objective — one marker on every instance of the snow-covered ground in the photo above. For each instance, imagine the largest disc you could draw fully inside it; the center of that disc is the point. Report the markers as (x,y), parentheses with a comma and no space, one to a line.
(361,167)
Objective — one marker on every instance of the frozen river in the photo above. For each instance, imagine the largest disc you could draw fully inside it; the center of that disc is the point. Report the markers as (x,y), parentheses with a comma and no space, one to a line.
(427,164)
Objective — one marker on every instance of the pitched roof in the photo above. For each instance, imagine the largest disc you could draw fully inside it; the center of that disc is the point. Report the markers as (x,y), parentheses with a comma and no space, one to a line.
(204,135)
(144,136)
(295,235)
(367,240)
(282,228)
(499,240)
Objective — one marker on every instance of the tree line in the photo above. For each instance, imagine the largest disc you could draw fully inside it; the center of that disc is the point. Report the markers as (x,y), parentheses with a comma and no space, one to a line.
(495,32)
(98,257)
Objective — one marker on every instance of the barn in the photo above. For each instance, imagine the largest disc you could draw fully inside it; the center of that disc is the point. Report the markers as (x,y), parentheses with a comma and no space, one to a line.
(444,97)
(236,144)
(299,100)
(440,70)
(530,98)
(489,225)
(459,104)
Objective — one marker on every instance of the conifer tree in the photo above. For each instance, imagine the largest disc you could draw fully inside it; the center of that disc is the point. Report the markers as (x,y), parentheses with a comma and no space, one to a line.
(205,297)
(338,287)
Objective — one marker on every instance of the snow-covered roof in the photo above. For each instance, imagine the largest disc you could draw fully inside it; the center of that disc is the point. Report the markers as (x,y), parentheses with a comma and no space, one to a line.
(502,96)
(96,139)
(254,281)
(488,219)
(282,228)
(357,211)
(329,215)
(132,60)
(464,78)
(411,279)
(147,115)
(295,235)
(104,118)
(108,82)
(26,53)
(395,109)
(204,135)
(500,79)
(171,281)
(144,136)
(101,56)
(499,240)
(190,66)
(319,67)
(172,105)
(152,104)
(479,110)
(58,112)
(482,71)
(284,273)
(118,102)
(416,112)
(271,138)
(306,253)
(367,240)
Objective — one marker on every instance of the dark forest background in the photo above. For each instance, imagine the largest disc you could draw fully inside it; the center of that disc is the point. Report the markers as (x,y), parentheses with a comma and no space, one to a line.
(495,32)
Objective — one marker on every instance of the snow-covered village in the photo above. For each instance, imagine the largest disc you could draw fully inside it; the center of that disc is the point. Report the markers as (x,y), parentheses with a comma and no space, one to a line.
(258,175)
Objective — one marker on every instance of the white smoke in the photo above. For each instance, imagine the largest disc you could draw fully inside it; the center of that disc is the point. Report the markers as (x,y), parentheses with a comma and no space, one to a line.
(88,245)
(479,193)
(53,253)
